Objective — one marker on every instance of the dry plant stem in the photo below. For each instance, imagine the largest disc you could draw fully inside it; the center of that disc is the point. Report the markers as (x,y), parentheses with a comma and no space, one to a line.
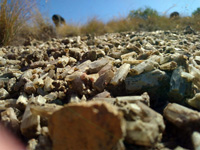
(13,14)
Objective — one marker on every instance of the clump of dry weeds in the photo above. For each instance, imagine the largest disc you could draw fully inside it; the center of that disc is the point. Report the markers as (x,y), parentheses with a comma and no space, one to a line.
(13,14)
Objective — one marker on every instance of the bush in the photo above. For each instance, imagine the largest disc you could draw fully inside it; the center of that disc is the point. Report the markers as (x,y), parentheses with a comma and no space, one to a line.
(93,26)
(196,12)
(68,30)
(143,14)
(39,28)
(13,14)
(121,25)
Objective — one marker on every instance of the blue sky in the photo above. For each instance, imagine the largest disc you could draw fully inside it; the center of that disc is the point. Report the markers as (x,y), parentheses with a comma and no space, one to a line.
(80,11)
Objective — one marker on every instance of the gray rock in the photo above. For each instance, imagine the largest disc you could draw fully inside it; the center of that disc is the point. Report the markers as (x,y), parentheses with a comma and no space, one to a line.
(180,88)
(155,83)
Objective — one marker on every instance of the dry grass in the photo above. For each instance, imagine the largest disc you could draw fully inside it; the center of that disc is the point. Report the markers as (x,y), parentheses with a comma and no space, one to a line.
(68,30)
(121,25)
(153,23)
(94,26)
(13,14)
(38,27)
(20,20)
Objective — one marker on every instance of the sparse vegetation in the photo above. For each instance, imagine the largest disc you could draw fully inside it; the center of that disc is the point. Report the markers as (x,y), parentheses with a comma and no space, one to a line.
(20,20)
(143,13)
(196,12)
(13,14)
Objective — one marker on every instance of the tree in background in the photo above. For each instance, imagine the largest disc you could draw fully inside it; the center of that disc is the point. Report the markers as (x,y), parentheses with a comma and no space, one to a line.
(143,13)
(196,12)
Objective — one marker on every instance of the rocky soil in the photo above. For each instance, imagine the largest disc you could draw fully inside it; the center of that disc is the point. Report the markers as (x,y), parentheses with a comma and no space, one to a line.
(120,91)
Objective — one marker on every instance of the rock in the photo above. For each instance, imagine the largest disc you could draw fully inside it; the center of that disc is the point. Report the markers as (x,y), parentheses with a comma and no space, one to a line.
(62,61)
(195,73)
(196,140)
(32,143)
(180,88)
(168,66)
(22,101)
(145,66)
(75,53)
(9,119)
(181,122)
(144,126)
(155,83)
(4,104)
(30,125)
(48,86)
(90,55)
(195,101)
(4,93)
(97,65)
(10,85)
(132,99)
(83,67)
(189,30)
(102,127)
(45,110)
(51,96)
(144,81)
(181,116)
(39,100)
(141,133)
(29,87)
(121,74)
(104,94)
(74,99)
(197,59)
(103,80)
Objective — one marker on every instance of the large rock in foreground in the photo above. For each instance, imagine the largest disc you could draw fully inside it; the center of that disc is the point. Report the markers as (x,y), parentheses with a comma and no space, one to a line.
(87,126)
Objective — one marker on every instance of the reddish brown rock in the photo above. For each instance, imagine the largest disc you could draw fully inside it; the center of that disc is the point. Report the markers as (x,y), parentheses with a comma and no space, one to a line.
(86,126)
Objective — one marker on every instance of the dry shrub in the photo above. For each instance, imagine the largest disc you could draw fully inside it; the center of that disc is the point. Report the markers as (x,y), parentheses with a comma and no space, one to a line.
(196,21)
(13,14)
(38,28)
(68,30)
(94,26)
(121,25)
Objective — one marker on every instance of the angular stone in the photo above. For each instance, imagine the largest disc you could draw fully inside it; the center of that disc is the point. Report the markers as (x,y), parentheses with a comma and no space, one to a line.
(196,140)
(22,100)
(48,86)
(195,101)
(145,81)
(155,83)
(103,80)
(91,126)
(144,126)
(132,99)
(4,104)
(180,88)
(29,87)
(121,74)
(146,66)
(168,66)
(4,93)
(182,116)
(9,119)
(30,124)
(45,110)
(96,66)
(141,133)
